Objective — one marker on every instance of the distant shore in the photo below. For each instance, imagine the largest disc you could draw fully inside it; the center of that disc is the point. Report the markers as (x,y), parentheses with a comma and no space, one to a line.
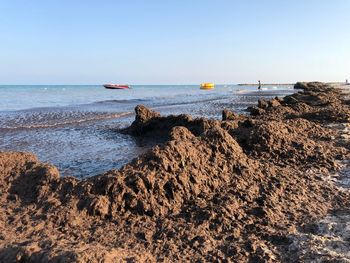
(265,84)
(283,84)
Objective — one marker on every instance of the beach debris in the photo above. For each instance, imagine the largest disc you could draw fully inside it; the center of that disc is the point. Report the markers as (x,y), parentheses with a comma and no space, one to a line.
(228,115)
(233,190)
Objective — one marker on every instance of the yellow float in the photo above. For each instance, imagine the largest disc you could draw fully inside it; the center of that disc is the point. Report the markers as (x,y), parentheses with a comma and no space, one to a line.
(207,85)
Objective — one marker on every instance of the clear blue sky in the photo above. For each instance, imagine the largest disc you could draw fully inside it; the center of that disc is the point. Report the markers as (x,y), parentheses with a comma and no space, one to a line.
(175,42)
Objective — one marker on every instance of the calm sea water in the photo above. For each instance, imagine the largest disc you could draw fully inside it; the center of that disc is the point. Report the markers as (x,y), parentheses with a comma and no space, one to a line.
(75,127)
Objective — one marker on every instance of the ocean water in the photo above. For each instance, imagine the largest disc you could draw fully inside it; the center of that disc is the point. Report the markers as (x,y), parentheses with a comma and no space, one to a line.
(75,127)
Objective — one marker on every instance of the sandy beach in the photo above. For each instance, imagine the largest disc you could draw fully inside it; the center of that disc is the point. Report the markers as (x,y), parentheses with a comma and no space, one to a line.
(265,187)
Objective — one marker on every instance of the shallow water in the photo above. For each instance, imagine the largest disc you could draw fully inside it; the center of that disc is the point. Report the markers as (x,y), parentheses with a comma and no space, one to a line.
(74,127)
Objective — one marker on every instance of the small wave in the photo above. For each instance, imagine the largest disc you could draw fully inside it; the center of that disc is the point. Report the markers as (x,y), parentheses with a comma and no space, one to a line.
(241,91)
(67,122)
(120,101)
(191,102)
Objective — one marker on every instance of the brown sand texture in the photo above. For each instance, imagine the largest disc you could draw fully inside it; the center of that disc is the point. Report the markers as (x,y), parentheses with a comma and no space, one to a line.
(255,188)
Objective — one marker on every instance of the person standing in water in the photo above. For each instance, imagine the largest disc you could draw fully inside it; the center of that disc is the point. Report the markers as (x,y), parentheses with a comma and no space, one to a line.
(259,87)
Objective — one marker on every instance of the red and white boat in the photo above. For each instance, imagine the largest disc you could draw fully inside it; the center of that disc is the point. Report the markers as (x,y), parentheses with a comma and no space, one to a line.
(116,86)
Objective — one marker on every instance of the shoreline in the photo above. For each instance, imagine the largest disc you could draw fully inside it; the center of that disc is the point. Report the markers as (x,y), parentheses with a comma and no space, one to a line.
(71,131)
(265,84)
(233,189)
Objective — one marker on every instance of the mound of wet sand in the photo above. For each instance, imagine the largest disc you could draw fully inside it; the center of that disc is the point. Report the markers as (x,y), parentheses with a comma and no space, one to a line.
(234,189)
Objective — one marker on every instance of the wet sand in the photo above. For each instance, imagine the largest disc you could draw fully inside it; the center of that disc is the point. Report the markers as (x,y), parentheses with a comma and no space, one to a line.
(258,188)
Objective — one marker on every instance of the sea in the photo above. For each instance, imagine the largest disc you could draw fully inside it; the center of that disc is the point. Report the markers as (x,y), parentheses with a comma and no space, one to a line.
(76,127)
